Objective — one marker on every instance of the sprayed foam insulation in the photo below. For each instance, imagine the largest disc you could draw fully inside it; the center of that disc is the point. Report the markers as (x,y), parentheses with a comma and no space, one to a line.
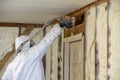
(101,40)
(7,37)
(114,40)
(76,60)
(54,64)
(48,61)
(90,43)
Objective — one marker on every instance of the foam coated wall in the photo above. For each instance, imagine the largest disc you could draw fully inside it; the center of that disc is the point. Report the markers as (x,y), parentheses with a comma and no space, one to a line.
(90,43)
(7,37)
(48,60)
(101,40)
(114,49)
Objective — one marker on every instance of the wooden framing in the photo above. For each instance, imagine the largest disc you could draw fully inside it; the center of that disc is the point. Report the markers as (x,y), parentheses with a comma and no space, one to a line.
(83,9)
(85,47)
(72,34)
(82,27)
(6,24)
(74,30)
(67,42)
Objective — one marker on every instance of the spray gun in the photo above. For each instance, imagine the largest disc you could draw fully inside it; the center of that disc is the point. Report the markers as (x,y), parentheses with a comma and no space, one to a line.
(62,21)
(67,22)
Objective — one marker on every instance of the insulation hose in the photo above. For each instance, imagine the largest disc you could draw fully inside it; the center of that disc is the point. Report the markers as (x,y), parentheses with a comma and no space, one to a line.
(63,21)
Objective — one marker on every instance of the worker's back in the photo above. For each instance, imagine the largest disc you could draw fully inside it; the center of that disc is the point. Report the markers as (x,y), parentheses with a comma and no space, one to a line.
(25,68)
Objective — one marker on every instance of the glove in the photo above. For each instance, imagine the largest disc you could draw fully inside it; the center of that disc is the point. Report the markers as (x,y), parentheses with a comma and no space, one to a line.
(65,23)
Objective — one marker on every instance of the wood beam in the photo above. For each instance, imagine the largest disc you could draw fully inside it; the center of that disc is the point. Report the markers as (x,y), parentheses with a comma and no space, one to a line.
(7,24)
(19,31)
(83,9)
(74,30)
(10,53)
(78,12)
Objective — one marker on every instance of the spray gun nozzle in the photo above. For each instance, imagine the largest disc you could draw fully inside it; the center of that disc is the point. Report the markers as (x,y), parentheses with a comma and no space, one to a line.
(67,22)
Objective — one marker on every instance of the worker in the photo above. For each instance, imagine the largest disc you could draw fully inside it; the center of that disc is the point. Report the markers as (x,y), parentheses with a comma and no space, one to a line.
(28,65)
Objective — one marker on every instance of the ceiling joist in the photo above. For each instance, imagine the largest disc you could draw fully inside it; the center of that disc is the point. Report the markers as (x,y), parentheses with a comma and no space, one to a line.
(6,24)
(83,9)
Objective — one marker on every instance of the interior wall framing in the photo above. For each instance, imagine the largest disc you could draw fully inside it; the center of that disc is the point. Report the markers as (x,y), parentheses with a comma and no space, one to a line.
(84,9)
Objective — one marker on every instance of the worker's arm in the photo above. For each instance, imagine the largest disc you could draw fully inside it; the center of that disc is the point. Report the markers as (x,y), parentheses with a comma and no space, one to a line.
(39,50)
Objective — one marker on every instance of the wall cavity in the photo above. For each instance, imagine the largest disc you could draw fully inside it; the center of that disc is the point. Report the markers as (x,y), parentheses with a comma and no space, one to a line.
(114,49)
(90,43)
(101,40)
(7,37)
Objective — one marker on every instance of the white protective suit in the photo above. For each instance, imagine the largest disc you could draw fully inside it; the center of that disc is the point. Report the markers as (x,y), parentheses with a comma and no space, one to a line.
(28,63)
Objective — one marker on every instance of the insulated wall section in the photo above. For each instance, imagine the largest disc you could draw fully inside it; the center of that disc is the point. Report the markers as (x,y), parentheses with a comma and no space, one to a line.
(101,40)
(90,43)
(114,49)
